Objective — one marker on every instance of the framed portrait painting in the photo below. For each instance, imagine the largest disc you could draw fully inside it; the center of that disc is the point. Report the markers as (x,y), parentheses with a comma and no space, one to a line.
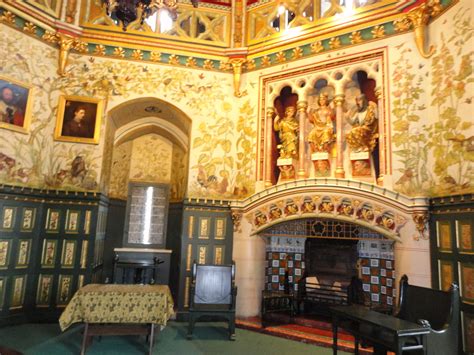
(15,105)
(78,119)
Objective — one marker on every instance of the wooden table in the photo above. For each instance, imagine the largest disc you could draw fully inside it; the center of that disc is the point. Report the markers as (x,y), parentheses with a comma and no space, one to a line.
(382,330)
(119,310)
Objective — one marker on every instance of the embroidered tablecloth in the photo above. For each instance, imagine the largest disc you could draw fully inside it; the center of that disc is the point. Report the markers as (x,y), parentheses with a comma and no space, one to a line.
(97,303)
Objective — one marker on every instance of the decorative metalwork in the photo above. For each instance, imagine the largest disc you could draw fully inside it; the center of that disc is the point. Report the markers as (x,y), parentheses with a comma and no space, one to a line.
(321,228)
(128,11)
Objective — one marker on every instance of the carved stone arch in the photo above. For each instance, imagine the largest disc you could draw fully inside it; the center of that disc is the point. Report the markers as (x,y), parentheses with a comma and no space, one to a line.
(276,90)
(360,67)
(346,200)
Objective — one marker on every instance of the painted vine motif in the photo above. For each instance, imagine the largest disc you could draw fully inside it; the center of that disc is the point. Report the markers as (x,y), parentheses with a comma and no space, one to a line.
(436,144)
(451,136)
(218,172)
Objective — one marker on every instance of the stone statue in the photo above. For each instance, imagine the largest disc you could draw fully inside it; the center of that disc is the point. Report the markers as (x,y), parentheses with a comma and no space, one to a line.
(363,118)
(288,133)
(322,133)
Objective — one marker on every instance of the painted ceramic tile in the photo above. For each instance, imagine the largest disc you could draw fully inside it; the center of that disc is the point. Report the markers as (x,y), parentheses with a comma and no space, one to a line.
(72,221)
(218,255)
(465,236)
(446,274)
(43,293)
(190,227)
(68,253)
(467,282)
(48,255)
(18,291)
(8,220)
(189,257)
(444,236)
(80,281)
(3,287)
(202,255)
(204,228)
(64,289)
(52,221)
(85,247)
(23,257)
(4,253)
(28,220)
(220,228)
(87,222)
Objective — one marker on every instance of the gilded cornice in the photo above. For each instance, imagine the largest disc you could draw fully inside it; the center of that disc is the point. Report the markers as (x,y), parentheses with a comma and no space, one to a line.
(112,45)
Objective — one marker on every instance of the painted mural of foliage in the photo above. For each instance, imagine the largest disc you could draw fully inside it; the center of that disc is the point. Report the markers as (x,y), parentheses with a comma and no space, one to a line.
(219,174)
(120,171)
(33,160)
(410,142)
(109,78)
(451,136)
(245,146)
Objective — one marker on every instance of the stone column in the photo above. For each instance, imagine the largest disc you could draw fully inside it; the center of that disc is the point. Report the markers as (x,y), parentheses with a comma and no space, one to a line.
(339,100)
(270,113)
(381,121)
(302,115)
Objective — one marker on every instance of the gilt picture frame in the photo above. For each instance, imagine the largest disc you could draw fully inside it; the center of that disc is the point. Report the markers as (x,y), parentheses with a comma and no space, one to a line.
(78,119)
(16,100)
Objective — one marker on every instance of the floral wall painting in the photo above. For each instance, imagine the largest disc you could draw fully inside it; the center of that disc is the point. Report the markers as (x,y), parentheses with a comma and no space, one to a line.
(78,119)
(15,105)
(433,136)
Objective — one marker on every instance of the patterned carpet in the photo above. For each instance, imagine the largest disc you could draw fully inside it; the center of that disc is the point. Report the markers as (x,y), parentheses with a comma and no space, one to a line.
(306,330)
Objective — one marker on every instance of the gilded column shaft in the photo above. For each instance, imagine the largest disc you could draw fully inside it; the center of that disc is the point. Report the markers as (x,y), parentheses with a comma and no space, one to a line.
(302,115)
(268,145)
(382,162)
(340,173)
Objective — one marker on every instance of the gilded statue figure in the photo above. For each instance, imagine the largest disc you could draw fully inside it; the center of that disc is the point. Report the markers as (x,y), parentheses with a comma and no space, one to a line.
(288,133)
(322,133)
(363,117)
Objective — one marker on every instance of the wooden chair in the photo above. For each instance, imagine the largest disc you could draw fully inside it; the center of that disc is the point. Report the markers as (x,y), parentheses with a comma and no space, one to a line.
(213,294)
(437,309)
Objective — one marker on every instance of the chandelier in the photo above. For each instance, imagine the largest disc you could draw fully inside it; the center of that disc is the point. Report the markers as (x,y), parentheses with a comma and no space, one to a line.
(127,11)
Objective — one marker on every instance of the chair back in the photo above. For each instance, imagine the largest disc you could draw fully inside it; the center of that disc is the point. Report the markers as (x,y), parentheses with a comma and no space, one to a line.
(213,284)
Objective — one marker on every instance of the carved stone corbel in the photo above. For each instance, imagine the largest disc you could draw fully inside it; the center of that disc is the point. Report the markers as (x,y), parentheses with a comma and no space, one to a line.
(419,17)
(421,221)
(65,43)
(237,64)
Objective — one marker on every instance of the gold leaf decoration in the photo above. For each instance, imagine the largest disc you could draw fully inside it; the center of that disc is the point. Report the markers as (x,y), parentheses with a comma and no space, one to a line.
(334,43)
(378,31)
(208,64)
(80,46)
(317,47)
(29,28)
(251,64)
(50,37)
(225,66)
(155,56)
(173,59)
(119,52)
(297,53)
(8,17)
(137,54)
(266,61)
(280,57)
(356,37)
(402,25)
(191,62)
(100,49)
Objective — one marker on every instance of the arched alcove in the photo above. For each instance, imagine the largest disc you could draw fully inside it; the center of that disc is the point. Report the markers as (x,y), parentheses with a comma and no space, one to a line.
(147,141)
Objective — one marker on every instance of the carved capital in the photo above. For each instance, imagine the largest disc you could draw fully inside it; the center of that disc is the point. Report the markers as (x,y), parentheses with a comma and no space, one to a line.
(421,221)
(236,64)
(301,105)
(378,93)
(419,18)
(339,99)
(270,112)
(236,220)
